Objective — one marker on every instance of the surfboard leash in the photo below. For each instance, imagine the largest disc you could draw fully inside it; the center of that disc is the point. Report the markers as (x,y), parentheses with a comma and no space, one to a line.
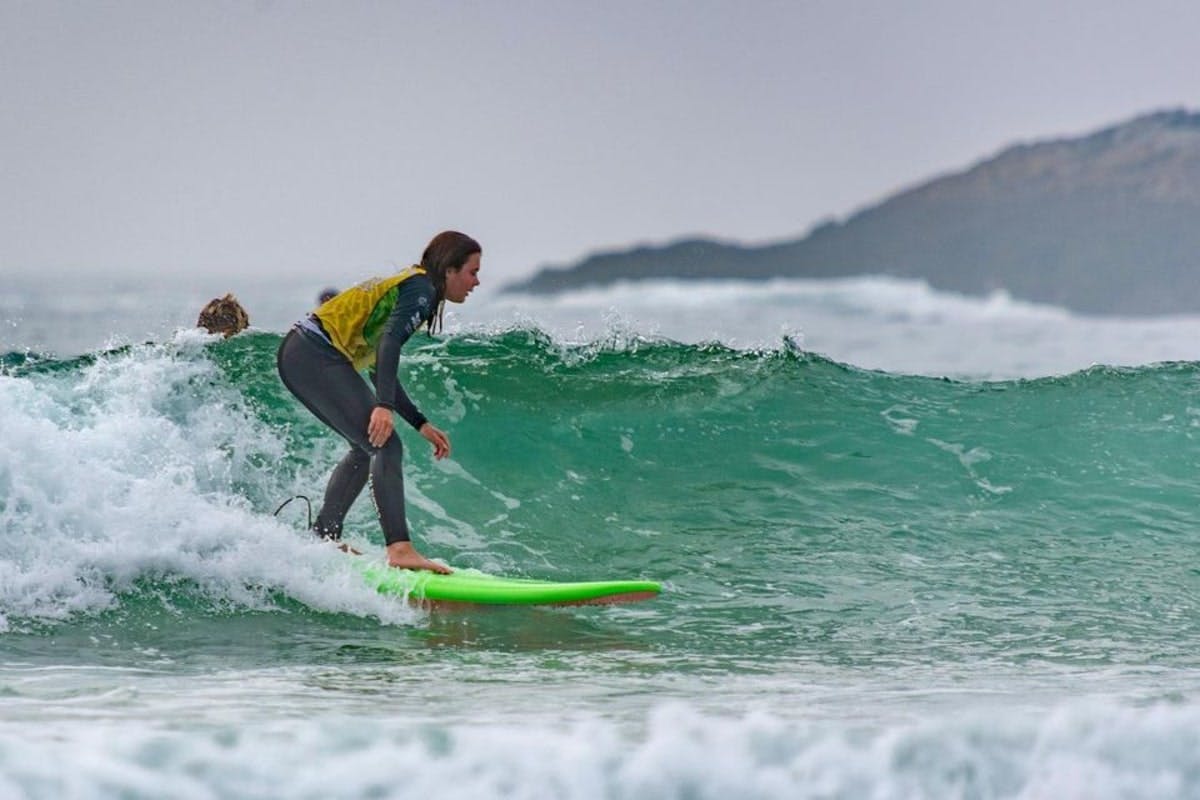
(307,502)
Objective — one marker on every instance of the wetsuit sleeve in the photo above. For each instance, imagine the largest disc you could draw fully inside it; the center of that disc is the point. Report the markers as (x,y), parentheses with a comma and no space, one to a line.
(414,307)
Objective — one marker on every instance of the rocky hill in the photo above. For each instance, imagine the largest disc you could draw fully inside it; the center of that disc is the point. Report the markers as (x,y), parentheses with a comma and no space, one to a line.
(1108,223)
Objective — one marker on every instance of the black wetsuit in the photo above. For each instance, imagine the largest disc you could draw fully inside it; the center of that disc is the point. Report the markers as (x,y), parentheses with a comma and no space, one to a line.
(328,385)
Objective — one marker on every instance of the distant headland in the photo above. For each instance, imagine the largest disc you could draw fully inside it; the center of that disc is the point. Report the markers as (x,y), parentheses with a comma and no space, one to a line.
(1107,223)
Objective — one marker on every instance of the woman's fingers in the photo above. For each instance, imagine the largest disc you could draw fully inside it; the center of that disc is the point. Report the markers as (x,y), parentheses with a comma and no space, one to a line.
(379,428)
(439,440)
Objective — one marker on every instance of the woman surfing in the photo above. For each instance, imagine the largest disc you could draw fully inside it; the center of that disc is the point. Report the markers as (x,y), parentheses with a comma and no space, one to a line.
(364,328)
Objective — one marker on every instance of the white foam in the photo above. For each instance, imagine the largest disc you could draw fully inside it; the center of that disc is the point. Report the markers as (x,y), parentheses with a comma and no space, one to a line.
(126,470)
(1091,752)
(873,322)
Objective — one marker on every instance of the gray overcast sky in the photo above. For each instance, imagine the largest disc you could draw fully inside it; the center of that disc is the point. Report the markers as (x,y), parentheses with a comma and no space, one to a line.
(325,140)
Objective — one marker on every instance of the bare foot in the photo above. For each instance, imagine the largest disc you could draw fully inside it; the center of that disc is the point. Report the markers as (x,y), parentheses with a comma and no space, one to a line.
(403,555)
(345,548)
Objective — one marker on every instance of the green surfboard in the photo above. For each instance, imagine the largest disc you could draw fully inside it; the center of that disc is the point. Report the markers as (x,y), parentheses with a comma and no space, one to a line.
(472,587)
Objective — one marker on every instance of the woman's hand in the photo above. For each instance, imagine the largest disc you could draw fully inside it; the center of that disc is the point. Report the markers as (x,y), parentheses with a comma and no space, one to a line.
(380,426)
(439,440)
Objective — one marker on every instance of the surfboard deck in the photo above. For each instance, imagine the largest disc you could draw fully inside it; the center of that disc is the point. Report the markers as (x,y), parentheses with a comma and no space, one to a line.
(470,587)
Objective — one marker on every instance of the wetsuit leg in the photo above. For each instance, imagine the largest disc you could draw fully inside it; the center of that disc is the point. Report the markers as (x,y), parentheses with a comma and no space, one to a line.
(328,386)
(345,485)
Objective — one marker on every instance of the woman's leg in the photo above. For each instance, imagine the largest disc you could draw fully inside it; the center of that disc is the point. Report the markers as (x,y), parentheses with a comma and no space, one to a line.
(345,485)
(328,386)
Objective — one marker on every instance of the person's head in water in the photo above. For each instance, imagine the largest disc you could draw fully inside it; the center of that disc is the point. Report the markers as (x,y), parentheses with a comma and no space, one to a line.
(223,315)
(451,260)
(326,295)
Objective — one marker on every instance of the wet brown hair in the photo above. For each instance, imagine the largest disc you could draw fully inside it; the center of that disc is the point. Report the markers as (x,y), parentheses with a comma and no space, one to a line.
(223,315)
(447,251)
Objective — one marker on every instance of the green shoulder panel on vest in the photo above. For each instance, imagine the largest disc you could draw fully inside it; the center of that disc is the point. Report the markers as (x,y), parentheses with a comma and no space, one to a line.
(373,327)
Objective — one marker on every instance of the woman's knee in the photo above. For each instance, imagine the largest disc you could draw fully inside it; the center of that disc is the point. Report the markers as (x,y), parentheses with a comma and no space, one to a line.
(392,451)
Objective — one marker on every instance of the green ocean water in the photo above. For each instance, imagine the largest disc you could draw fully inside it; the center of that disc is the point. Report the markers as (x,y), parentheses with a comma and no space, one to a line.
(841,548)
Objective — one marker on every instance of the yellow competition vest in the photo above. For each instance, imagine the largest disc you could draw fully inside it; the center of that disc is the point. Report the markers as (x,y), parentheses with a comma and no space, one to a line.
(354,319)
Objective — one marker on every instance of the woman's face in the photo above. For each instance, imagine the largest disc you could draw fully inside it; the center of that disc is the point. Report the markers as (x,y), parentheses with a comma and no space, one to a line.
(460,282)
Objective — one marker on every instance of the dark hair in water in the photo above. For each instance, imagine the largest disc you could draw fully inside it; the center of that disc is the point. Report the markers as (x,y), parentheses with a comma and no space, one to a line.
(447,251)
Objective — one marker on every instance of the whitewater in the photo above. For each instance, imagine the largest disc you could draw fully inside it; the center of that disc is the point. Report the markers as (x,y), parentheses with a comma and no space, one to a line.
(913,545)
